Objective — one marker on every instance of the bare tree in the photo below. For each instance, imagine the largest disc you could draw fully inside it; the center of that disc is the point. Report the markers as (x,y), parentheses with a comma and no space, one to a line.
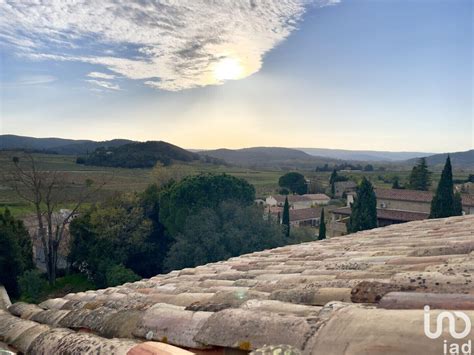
(46,191)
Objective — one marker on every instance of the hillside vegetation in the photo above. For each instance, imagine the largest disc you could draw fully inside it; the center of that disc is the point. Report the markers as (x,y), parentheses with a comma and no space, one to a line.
(458,159)
(139,155)
(56,145)
(270,157)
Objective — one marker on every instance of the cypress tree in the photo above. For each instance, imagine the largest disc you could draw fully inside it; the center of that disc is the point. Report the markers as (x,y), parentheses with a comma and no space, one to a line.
(364,208)
(443,204)
(420,177)
(322,227)
(332,180)
(457,204)
(285,220)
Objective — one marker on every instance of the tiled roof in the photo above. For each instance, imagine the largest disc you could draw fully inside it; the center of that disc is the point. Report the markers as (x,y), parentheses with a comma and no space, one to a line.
(318,197)
(416,196)
(393,215)
(358,294)
(304,214)
(404,195)
(301,198)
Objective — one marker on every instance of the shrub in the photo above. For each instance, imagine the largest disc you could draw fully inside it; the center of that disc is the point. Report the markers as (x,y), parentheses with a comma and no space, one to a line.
(32,285)
(119,274)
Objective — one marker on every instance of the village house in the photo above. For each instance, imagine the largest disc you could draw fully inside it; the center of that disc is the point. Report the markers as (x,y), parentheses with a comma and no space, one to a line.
(344,187)
(303,217)
(298,201)
(394,206)
(31,223)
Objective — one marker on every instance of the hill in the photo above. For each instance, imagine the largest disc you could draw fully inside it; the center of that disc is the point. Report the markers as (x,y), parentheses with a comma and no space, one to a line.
(139,155)
(56,145)
(269,157)
(458,159)
(362,155)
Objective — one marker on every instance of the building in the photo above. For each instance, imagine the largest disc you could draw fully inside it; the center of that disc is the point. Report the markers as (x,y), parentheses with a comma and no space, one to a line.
(302,217)
(415,201)
(298,201)
(354,295)
(394,206)
(39,257)
(344,187)
(305,217)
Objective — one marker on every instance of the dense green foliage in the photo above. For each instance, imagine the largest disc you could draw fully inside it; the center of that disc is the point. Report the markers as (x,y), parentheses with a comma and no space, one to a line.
(32,285)
(124,232)
(420,177)
(195,193)
(457,204)
(322,226)
(200,219)
(16,254)
(139,155)
(118,274)
(444,203)
(396,183)
(364,208)
(294,182)
(285,218)
(216,234)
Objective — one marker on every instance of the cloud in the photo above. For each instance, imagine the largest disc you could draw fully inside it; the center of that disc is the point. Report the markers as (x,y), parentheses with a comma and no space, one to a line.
(98,75)
(171,44)
(104,84)
(30,80)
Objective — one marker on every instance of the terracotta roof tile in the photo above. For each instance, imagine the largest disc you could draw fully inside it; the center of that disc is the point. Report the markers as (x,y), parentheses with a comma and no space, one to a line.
(317,298)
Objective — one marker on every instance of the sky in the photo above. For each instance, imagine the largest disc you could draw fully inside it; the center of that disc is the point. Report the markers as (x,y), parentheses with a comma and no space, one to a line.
(392,75)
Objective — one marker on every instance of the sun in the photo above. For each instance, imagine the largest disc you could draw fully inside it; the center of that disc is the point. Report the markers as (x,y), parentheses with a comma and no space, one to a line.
(228,69)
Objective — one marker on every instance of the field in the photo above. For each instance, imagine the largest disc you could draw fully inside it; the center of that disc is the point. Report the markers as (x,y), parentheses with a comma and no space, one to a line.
(120,180)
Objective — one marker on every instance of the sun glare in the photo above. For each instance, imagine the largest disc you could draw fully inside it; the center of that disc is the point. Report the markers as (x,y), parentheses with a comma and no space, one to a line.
(228,69)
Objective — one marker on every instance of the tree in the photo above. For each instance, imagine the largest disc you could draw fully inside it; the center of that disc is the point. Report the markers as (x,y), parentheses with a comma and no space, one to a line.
(420,177)
(443,203)
(115,233)
(396,183)
(164,174)
(322,227)
(364,208)
(193,193)
(230,230)
(458,204)
(285,219)
(45,190)
(369,167)
(295,182)
(16,255)
(332,181)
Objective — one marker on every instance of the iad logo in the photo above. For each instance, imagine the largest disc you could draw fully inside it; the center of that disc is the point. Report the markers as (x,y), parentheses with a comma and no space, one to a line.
(448,348)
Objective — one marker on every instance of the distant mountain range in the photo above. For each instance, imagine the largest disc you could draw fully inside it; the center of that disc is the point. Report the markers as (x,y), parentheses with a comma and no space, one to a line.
(269,157)
(57,145)
(458,159)
(266,157)
(363,155)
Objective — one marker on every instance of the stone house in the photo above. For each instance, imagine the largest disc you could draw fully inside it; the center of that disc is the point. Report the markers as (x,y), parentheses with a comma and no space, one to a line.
(298,201)
(394,206)
(344,187)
